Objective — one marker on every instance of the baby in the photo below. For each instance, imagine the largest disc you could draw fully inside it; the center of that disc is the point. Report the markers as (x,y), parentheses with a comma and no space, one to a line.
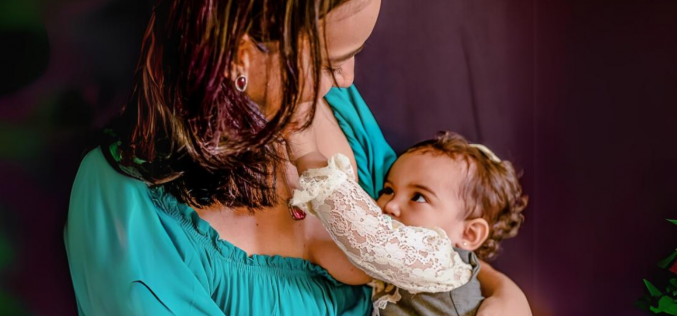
(445,203)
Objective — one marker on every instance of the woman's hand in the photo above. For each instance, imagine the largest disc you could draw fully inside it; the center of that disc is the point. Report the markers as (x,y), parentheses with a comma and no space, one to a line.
(503,296)
(504,306)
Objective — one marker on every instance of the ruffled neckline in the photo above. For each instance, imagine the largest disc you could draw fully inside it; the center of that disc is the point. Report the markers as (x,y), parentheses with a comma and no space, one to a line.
(209,237)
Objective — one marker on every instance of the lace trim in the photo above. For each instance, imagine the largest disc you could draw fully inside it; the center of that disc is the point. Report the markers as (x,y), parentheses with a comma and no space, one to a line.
(392,295)
(338,170)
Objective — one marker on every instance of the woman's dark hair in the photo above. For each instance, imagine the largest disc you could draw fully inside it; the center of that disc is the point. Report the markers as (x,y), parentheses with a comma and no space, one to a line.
(491,189)
(185,127)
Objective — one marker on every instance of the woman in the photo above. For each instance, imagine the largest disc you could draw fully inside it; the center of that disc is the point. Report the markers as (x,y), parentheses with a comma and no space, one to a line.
(183,209)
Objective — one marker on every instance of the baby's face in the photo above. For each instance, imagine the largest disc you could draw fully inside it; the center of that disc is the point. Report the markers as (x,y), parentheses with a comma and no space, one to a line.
(422,190)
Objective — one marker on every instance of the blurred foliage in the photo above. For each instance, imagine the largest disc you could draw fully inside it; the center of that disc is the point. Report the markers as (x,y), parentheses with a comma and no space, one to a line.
(25,46)
(9,305)
(658,301)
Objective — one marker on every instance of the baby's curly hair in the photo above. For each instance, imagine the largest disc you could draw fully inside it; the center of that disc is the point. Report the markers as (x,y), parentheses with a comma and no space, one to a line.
(491,190)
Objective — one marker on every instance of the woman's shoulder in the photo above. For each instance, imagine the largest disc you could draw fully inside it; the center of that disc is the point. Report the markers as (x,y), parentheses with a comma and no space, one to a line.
(100,171)
(119,247)
(93,160)
(99,188)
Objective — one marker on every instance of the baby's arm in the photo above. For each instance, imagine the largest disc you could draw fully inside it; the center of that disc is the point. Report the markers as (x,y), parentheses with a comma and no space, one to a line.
(413,258)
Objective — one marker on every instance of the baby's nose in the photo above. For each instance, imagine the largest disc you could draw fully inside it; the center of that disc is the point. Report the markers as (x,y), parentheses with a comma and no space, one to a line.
(392,208)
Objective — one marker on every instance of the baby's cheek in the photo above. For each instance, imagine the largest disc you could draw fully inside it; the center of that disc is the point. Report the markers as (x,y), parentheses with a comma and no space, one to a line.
(381,201)
(419,220)
(454,232)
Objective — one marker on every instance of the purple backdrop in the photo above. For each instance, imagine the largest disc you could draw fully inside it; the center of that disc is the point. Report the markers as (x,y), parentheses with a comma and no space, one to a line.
(580,95)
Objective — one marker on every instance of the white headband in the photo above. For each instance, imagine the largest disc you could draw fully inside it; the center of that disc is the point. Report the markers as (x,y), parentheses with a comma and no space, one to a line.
(487,152)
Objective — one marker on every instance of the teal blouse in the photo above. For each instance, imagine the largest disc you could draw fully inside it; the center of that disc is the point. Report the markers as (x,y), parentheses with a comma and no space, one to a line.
(138,251)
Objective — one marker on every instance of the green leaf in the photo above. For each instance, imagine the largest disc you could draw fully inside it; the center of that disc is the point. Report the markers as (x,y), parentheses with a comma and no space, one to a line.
(667,261)
(652,289)
(666,305)
(674,221)
(672,287)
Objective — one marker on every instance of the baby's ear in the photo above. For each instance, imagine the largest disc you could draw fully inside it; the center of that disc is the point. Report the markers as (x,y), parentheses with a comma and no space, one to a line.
(475,232)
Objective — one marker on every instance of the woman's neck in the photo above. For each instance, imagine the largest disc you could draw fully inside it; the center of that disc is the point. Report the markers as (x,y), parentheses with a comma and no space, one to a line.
(268,231)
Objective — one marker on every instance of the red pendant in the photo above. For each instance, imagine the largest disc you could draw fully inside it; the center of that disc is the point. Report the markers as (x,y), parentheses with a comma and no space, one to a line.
(241,83)
(297,213)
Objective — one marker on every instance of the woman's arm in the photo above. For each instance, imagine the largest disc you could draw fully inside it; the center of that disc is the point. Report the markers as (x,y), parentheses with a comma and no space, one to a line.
(503,296)
(121,259)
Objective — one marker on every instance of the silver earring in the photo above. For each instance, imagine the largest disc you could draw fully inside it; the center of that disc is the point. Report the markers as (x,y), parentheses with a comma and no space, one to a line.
(241,83)
(465,244)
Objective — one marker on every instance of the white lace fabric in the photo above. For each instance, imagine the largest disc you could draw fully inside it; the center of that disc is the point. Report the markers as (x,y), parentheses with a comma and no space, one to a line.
(412,258)
(391,294)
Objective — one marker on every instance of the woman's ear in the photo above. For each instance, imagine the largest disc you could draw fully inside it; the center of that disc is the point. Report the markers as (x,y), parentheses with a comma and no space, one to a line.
(475,232)
(252,64)
(241,62)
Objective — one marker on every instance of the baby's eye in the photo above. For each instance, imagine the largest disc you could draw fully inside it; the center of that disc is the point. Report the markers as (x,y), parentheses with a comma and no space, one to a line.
(387,191)
(419,198)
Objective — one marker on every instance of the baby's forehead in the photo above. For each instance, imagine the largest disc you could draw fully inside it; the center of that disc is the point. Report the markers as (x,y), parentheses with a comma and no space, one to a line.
(430,167)
(435,158)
